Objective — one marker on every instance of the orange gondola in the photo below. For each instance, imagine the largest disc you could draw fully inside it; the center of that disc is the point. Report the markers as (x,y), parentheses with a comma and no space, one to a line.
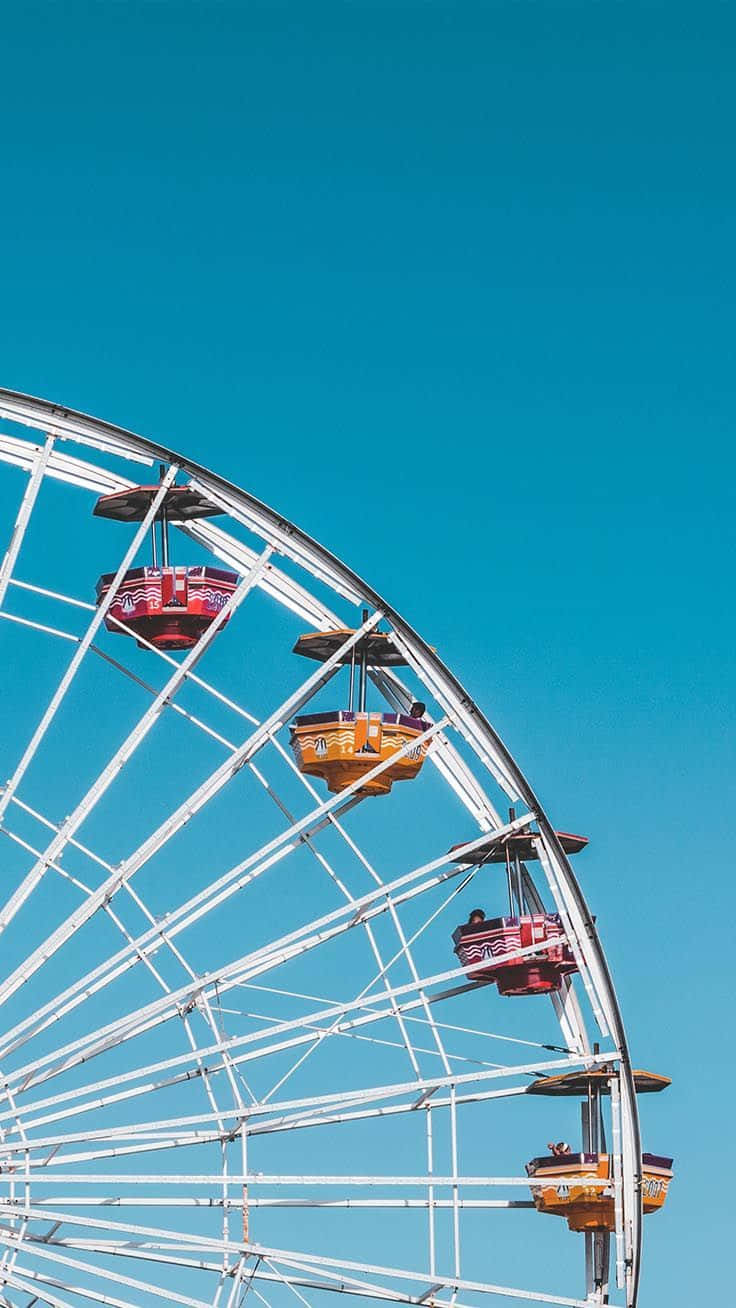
(581,1187)
(342,746)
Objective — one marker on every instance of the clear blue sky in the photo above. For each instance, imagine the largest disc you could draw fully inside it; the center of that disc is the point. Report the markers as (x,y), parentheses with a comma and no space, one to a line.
(472,264)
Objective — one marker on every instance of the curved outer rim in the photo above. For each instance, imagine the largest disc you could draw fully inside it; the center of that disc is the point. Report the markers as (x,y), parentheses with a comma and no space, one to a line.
(48,416)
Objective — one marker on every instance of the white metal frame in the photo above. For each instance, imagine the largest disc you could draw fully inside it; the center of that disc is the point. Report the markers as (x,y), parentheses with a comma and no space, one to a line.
(220,1062)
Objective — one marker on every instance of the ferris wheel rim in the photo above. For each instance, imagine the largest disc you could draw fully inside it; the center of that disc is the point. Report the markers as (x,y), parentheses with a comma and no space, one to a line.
(66,423)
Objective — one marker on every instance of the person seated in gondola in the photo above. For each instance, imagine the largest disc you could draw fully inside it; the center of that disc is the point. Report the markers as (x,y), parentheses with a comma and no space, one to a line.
(559,1149)
(476,918)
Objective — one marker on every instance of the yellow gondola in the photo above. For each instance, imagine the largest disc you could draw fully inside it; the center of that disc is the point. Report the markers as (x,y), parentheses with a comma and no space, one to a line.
(581,1187)
(343,745)
(570,1187)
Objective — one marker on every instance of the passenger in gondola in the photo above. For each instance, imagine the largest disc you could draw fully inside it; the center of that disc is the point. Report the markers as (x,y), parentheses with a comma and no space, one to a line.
(477,917)
(560,1149)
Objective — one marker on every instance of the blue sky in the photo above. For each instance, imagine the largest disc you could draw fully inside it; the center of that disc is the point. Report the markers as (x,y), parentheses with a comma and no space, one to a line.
(470,266)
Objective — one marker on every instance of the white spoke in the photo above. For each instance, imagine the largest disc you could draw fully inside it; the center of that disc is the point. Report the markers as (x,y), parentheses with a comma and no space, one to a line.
(311,935)
(177,820)
(24,516)
(199,962)
(303,1261)
(207,987)
(128,748)
(84,645)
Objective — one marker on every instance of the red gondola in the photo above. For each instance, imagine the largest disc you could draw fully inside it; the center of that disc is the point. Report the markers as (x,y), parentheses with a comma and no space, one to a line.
(495,938)
(166,606)
(497,942)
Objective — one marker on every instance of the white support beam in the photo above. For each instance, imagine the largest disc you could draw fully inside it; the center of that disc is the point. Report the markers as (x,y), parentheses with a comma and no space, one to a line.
(485,746)
(24,516)
(192,909)
(162,1010)
(84,644)
(184,813)
(564,1001)
(321,1263)
(131,743)
(40,1176)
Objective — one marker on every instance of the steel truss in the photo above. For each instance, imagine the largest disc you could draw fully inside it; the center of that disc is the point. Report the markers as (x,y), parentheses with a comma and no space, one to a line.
(147,1037)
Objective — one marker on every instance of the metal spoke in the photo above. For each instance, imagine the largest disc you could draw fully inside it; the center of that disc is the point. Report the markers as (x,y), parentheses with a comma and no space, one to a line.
(147,1021)
(24,516)
(84,645)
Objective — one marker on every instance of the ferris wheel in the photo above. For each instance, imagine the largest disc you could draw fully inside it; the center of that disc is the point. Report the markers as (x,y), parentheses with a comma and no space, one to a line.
(297,979)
